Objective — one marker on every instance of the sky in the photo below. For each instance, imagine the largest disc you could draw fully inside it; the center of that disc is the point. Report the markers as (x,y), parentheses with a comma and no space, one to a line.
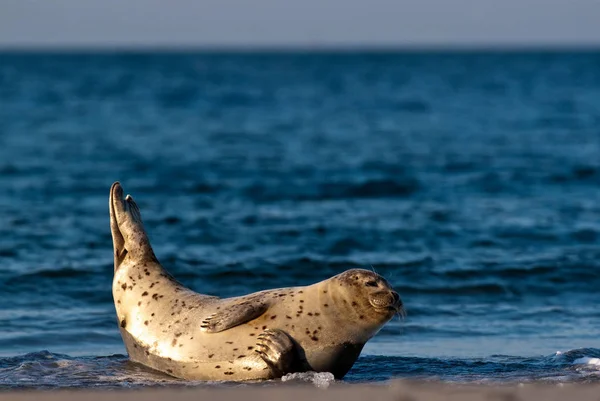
(305,23)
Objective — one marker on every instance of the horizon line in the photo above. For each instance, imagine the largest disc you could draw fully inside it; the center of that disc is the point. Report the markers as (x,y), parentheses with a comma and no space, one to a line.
(293,48)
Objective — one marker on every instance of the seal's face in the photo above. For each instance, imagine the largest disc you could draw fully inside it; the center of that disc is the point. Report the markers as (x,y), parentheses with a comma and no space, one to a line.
(369,296)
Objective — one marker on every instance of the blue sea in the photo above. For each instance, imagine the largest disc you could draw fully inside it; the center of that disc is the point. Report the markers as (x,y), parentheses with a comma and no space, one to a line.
(470,180)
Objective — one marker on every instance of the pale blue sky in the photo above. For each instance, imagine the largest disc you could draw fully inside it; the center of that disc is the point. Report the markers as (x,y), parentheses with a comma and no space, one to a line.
(300,22)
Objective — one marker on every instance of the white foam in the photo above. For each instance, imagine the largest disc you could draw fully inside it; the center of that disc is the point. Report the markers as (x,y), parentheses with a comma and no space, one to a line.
(587,361)
(320,380)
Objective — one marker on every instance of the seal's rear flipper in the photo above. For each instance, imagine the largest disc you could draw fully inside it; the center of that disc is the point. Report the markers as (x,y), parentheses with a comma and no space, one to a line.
(127,229)
(234,315)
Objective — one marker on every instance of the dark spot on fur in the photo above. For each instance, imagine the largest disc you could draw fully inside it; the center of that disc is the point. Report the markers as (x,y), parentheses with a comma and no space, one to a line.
(218,367)
(252,334)
(250,347)
(146,323)
(123,323)
(314,338)
(139,303)
(211,355)
(354,303)
(155,296)
(300,292)
(178,334)
(229,342)
(228,373)
(324,291)
(152,314)
(124,286)
(169,370)
(309,313)
(301,301)
(264,327)
(288,317)
(235,349)
(317,314)
(174,342)
(241,356)
(273,317)
(361,317)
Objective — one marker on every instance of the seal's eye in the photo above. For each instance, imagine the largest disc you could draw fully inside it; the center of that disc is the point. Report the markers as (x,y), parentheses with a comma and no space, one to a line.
(371,283)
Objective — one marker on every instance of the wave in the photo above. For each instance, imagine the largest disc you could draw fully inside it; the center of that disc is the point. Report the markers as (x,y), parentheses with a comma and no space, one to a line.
(46,370)
(333,190)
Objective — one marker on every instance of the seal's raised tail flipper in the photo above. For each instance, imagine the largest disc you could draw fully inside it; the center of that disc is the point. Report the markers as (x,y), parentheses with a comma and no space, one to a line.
(128,233)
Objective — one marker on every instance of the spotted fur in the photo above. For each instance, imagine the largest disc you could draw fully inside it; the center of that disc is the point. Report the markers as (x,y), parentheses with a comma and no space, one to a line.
(164,325)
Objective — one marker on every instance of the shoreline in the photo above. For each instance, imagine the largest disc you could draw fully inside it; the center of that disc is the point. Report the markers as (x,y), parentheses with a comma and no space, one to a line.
(397,390)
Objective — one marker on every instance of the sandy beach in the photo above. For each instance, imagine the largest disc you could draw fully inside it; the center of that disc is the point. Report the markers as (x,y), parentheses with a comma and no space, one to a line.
(396,390)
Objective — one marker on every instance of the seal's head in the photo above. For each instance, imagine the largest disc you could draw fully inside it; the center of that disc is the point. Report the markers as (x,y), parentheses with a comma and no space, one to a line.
(366,298)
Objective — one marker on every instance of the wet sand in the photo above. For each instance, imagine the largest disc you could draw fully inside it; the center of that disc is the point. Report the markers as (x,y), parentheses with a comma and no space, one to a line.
(396,391)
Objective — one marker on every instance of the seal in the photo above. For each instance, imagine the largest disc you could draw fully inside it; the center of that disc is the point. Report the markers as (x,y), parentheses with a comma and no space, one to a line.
(168,327)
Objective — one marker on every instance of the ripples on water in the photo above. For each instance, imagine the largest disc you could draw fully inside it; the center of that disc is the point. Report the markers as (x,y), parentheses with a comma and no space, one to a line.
(48,371)
(471,181)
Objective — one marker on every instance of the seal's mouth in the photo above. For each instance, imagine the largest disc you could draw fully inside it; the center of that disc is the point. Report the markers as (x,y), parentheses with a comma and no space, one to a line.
(388,301)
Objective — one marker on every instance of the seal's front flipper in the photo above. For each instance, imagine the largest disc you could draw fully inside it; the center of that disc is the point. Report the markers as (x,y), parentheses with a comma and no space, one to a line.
(276,348)
(233,315)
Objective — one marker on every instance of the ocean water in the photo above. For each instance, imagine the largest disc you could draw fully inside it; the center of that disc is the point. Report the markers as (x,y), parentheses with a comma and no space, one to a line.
(470,180)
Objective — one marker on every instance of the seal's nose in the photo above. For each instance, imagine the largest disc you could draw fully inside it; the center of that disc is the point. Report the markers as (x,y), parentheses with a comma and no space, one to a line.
(398,304)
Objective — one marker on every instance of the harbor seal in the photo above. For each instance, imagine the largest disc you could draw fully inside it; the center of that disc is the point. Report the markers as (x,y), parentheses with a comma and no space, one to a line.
(168,327)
